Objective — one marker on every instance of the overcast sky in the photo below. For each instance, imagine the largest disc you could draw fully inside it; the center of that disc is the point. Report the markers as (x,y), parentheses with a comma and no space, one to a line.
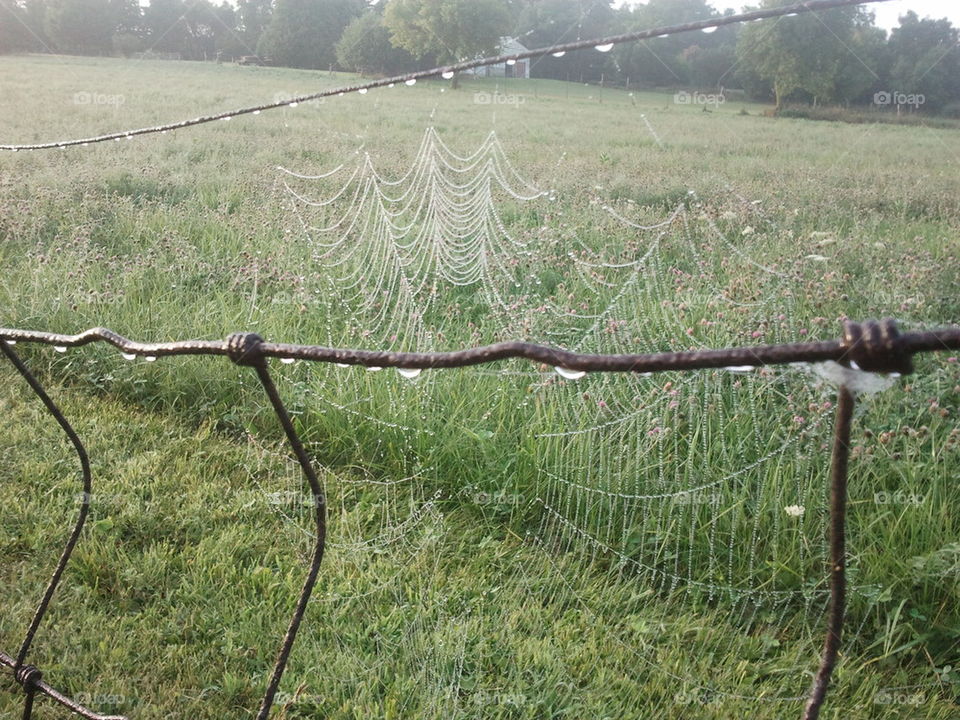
(886,12)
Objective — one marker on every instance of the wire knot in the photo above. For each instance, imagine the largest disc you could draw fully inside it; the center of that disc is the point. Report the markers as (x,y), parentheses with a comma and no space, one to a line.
(875,347)
(28,676)
(244,349)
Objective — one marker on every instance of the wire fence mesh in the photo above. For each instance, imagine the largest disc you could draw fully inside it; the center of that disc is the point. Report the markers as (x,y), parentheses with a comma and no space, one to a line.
(869,347)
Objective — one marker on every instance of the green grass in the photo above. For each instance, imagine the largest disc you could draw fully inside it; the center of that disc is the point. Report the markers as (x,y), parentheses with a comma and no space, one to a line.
(179,591)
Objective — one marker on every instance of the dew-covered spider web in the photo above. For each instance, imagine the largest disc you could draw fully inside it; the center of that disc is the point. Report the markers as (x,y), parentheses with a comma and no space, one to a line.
(633,501)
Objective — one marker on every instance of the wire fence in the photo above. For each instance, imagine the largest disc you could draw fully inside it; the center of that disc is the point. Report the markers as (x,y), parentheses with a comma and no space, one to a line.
(872,347)
(604,44)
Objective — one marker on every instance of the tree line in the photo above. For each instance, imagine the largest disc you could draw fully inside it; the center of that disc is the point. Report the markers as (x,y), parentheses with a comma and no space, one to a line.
(834,57)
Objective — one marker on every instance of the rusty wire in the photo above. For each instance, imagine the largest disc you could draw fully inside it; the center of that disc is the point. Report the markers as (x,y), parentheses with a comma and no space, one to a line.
(874,346)
(798,8)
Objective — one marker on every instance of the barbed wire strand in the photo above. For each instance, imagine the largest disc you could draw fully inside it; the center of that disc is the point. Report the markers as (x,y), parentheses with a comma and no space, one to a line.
(601,42)
(874,346)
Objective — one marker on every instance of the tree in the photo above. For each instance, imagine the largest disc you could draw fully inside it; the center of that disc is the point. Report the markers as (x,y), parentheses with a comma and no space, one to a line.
(925,60)
(365,47)
(12,27)
(254,17)
(81,26)
(304,33)
(450,30)
(164,26)
(549,22)
(813,53)
(668,61)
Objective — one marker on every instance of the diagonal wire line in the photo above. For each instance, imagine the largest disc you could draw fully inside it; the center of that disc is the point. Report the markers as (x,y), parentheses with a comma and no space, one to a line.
(410,78)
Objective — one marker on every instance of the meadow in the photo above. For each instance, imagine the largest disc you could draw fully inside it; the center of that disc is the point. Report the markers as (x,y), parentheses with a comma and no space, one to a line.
(504,542)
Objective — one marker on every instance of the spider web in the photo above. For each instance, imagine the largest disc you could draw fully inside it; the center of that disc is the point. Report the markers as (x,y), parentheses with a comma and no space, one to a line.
(701,490)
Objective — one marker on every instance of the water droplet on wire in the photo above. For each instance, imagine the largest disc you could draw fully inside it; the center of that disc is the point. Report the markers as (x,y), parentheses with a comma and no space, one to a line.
(129,356)
(60,348)
(511,61)
(374,368)
(288,361)
(740,368)
(569,374)
(605,48)
(343,365)
(559,53)
(447,75)
(409,373)
(151,358)
(411,81)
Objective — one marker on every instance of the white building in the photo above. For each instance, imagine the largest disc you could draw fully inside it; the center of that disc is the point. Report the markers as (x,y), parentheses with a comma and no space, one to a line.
(520,69)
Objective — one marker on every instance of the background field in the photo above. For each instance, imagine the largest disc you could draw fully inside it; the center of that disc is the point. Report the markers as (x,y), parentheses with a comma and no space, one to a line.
(459,592)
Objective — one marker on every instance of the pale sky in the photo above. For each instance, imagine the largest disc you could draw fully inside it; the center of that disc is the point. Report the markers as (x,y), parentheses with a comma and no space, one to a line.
(887,13)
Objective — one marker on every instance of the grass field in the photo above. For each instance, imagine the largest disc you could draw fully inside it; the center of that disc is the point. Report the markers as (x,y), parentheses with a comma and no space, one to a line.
(495,551)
